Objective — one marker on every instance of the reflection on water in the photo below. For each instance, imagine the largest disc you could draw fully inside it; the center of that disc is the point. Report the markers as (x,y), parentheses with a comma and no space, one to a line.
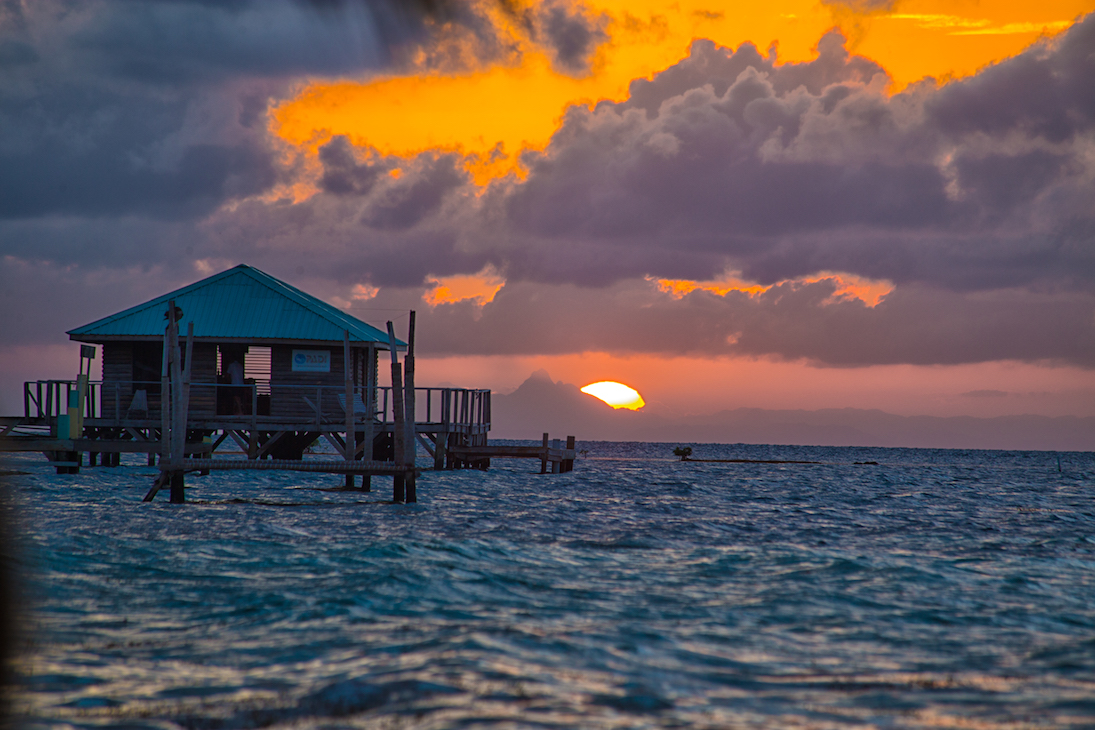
(935,589)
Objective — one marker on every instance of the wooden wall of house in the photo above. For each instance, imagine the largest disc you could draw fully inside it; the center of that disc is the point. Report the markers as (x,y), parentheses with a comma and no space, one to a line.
(117,376)
(289,389)
(203,375)
(118,389)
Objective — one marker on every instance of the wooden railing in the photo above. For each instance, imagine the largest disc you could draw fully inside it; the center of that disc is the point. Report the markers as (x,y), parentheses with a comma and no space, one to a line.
(456,408)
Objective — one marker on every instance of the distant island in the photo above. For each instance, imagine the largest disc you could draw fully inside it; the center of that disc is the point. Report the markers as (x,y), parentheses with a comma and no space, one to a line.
(541,403)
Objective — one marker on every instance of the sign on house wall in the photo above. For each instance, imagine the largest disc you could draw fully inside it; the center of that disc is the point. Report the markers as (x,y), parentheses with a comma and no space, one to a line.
(311,361)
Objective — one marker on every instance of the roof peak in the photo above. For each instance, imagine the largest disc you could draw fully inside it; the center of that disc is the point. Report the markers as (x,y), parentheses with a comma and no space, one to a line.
(239,303)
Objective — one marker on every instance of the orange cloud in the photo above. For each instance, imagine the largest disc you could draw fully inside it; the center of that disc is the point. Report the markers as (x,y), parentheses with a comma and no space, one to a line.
(480,288)
(848,286)
(364,292)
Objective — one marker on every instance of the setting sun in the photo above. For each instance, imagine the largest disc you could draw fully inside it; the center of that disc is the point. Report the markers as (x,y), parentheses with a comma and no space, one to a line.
(615,394)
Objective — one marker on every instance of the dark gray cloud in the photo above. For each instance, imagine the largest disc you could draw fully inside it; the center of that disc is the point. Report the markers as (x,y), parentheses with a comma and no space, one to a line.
(342,173)
(1044,93)
(114,108)
(416,194)
(470,35)
(571,32)
(366,226)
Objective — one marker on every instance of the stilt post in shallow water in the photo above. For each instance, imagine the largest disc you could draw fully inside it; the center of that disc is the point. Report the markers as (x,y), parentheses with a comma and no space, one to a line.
(350,444)
(399,494)
(174,406)
(410,447)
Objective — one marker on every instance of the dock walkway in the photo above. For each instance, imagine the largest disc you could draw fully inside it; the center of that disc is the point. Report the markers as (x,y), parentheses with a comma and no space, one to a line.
(559,459)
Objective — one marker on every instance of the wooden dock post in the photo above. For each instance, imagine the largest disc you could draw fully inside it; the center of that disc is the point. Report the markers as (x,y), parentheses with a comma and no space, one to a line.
(442,447)
(369,394)
(399,494)
(544,458)
(568,464)
(410,440)
(174,405)
(180,408)
(165,400)
(350,448)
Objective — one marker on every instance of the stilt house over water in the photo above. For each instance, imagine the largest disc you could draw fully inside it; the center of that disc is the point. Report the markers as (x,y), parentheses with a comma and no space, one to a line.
(261,348)
(263,368)
(267,374)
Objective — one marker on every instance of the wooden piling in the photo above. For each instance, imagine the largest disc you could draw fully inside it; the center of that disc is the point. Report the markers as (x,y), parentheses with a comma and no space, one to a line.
(399,494)
(544,460)
(441,448)
(174,406)
(350,445)
(165,395)
(410,440)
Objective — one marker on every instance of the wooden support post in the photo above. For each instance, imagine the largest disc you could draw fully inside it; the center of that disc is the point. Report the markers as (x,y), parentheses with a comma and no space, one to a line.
(165,393)
(253,450)
(178,493)
(166,437)
(182,409)
(411,439)
(369,391)
(180,393)
(569,463)
(441,447)
(348,386)
(349,451)
(543,459)
(398,432)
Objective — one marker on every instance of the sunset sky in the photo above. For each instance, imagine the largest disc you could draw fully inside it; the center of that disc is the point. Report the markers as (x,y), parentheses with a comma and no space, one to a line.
(791,204)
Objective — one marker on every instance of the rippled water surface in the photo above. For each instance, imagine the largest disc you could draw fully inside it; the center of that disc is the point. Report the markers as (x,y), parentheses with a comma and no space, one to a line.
(950,589)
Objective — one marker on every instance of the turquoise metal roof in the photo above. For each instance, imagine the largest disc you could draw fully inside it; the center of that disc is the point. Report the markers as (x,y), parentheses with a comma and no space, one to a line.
(242,304)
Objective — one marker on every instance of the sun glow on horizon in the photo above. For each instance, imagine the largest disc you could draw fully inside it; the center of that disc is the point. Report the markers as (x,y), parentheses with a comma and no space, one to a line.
(615,394)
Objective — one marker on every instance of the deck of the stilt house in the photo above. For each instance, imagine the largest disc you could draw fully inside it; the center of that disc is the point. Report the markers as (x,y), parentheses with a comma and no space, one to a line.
(270,374)
(451,417)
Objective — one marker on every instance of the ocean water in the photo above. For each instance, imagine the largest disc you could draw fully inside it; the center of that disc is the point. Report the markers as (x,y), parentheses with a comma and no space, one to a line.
(934,589)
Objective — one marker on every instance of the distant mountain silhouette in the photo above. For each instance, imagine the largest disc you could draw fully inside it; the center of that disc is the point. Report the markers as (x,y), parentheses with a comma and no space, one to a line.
(561,409)
(541,404)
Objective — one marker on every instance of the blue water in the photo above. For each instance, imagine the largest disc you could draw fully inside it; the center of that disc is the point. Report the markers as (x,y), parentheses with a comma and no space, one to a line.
(950,589)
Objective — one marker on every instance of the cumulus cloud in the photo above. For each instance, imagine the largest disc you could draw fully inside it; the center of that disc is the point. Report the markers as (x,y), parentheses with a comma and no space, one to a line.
(780,170)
